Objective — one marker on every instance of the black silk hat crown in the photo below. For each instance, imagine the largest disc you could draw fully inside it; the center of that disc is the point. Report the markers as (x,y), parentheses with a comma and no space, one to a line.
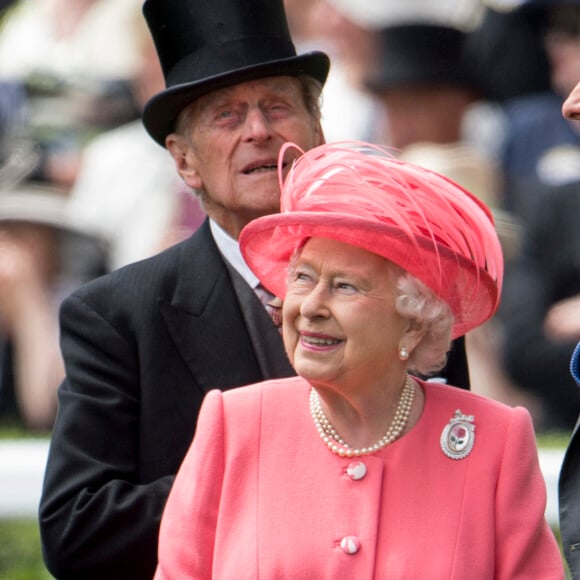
(422,53)
(205,45)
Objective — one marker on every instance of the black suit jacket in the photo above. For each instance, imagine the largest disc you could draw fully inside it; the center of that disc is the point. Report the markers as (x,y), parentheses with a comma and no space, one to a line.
(142,346)
(569,504)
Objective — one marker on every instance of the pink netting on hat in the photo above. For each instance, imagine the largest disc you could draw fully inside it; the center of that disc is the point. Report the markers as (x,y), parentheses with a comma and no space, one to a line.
(360,194)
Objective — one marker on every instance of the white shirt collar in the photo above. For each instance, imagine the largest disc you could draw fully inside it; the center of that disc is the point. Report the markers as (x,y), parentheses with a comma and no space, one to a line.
(230,250)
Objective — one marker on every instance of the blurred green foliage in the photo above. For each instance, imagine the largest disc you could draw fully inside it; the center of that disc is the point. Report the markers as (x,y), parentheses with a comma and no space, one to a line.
(20,553)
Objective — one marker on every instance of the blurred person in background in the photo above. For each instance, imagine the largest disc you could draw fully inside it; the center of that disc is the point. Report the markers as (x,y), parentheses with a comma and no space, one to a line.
(540,308)
(539,327)
(528,54)
(73,59)
(346,30)
(424,83)
(127,191)
(43,257)
(428,88)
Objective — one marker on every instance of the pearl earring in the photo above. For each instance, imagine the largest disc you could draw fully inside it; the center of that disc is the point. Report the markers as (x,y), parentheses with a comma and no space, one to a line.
(403,353)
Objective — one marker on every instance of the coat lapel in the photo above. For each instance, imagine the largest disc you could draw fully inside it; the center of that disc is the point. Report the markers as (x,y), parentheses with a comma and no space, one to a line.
(205,321)
(265,337)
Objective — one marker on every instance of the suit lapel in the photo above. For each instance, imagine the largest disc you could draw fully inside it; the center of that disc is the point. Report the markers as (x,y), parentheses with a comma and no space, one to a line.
(205,320)
(265,337)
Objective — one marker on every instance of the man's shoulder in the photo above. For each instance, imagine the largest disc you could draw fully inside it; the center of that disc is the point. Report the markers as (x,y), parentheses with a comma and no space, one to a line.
(147,273)
(146,280)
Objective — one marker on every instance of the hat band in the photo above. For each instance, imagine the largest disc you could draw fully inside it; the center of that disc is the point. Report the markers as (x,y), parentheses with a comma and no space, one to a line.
(215,60)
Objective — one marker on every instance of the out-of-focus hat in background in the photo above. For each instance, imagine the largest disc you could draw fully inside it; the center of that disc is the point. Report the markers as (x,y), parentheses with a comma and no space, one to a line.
(412,54)
(26,201)
(22,199)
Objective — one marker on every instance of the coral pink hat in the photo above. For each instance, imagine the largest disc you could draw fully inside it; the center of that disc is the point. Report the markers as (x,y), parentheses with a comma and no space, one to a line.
(357,193)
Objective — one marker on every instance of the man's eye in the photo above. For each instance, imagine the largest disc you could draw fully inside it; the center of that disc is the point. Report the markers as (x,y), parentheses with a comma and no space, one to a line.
(278,108)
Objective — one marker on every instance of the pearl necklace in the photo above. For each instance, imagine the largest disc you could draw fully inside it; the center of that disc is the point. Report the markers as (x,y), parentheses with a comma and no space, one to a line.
(337,445)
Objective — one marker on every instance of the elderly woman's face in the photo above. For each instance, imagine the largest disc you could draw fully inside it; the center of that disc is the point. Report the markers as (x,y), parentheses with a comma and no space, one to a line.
(340,324)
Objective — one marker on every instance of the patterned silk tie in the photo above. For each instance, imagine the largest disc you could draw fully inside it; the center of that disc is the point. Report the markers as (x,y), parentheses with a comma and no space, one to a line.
(272,304)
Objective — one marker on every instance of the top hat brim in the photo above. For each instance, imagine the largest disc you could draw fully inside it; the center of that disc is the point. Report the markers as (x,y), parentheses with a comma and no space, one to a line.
(161,112)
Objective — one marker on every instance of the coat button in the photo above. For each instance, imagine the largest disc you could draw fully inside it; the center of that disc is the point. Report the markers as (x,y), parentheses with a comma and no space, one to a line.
(350,544)
(356,470)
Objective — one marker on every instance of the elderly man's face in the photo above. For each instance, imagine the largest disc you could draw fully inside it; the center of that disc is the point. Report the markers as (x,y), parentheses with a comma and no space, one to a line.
(232,150)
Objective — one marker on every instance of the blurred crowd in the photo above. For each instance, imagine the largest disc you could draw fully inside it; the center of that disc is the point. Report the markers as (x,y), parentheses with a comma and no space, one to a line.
(470,88)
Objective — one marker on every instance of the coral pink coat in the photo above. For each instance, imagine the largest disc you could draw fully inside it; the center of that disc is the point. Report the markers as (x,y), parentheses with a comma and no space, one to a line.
(259,496)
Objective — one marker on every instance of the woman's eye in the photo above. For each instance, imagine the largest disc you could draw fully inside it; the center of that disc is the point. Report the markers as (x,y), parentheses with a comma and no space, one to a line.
(346,287)
(301,278)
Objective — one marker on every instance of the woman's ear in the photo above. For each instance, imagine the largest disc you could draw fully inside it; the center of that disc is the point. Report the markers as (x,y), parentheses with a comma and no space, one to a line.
(185,159)
(412,335)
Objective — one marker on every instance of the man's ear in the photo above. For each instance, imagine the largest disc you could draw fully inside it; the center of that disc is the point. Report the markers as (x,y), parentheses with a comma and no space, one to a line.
(185,159)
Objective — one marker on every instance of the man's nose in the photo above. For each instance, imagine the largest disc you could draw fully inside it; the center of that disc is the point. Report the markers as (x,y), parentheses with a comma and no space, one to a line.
(256,125)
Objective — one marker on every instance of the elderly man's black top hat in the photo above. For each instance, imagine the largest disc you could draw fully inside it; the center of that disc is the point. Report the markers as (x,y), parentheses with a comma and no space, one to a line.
(205,45)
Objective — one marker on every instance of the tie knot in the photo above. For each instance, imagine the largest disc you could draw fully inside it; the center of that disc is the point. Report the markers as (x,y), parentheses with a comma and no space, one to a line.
(272,304)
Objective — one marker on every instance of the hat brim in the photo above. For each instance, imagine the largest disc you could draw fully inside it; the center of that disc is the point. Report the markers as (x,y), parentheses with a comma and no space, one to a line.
(406,77)
(269,243)
(162,110)
(39,206)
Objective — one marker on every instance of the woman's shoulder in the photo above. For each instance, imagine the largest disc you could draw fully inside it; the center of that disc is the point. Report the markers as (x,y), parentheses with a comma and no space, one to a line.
(445,397)
(494,423)
(281,391)
(269,406)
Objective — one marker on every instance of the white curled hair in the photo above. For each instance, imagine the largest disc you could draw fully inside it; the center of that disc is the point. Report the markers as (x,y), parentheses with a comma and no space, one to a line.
(417,302)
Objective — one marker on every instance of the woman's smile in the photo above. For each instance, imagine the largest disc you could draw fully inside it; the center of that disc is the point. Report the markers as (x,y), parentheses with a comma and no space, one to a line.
(318,342)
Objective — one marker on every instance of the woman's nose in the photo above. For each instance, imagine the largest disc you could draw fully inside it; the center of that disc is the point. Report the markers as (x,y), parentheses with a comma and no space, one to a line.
(315,303)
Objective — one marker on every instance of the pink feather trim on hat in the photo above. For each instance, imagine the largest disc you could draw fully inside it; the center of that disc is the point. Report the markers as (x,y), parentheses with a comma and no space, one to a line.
(359,194)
